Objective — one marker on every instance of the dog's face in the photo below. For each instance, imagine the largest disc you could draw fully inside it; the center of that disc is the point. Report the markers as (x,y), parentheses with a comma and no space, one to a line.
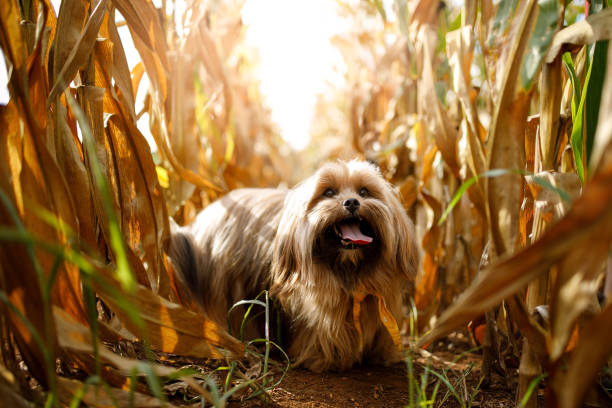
(344,224)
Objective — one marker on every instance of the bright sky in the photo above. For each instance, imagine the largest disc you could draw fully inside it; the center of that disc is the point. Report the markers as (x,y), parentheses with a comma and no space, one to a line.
(297,59)
(4,93)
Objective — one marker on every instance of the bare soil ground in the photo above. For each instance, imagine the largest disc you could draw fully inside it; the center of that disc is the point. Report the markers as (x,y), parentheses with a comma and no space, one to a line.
(380,386)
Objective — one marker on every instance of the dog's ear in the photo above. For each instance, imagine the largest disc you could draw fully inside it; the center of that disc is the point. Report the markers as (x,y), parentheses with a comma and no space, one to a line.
(293,241)
(284,262)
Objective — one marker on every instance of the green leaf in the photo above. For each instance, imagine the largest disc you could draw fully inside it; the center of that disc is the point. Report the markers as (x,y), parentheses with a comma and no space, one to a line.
(496,173)
(593,97)
(598,53)
(467,184)
(545,28)
(505,11)
(571,72)
(576,139)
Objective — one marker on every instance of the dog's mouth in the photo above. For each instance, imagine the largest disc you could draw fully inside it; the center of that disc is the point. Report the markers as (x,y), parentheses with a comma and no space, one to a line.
(349,247)
(353,233)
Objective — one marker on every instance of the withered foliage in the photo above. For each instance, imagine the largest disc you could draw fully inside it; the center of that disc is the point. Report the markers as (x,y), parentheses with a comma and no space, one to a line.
(492,135)
(85,204)
(493,120)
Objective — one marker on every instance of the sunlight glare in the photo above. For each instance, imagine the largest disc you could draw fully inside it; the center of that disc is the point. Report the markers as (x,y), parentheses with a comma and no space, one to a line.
(297,58)
(4,92)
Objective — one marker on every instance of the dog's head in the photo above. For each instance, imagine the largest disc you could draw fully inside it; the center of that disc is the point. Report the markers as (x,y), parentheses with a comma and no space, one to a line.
(343,225)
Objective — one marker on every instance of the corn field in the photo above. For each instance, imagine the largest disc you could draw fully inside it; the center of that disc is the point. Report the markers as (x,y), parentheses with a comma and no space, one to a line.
(493,119)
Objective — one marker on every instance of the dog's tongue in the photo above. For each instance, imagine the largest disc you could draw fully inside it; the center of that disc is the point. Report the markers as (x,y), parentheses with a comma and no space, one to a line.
(354,234)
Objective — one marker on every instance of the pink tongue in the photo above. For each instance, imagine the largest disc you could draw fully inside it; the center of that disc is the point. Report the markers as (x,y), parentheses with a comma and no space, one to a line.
(353,234)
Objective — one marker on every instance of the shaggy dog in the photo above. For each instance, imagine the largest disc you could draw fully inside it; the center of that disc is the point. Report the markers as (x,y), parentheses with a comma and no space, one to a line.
(336,252)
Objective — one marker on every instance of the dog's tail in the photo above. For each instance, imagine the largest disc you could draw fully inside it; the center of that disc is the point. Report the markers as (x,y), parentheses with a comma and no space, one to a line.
(182,255)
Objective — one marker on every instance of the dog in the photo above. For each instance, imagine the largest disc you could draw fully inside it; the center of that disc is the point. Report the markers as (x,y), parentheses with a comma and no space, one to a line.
(336,252)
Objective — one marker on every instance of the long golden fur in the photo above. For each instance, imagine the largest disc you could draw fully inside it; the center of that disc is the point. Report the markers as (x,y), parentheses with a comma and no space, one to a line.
(293,242)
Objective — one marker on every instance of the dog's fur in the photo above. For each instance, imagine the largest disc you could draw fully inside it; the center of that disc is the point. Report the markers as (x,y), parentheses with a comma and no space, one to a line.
(284,241)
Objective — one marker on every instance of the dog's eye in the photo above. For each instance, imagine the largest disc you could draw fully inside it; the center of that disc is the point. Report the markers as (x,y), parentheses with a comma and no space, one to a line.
(364,192)
(330,192)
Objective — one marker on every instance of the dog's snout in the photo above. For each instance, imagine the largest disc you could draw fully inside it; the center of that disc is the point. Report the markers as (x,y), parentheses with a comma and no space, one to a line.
(352,204)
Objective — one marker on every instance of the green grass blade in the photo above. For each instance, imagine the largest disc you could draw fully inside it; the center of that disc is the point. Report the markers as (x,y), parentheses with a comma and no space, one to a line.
(532,386)
(278,347)
(267,332)
(571,72)
(496,173)
(153,381)
(228,377)
(123,271)
(547,185)
(92,314)
(69,255)
(449,386)
(214,393)
(251,303)
(78,396)
(467,184)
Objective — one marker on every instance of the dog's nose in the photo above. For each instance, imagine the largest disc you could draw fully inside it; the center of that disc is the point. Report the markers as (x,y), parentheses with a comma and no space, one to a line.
(352,204)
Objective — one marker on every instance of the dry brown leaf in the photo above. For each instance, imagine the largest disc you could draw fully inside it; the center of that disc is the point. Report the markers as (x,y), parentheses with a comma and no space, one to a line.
(459,46)
(595,27)
(79,53)
(38,83)
(578,278)
(207,50)
(11,38)
(424,12)
(15,257)
(430,107)
(408,192)
(72,15)
(143,21)
(11,396)
(70,160)
(76,337)
(11,154)
(105,397)
(170,327)
(140,201)
(427,283)
(590,218)
(505,146)
(162,139)
(575,293)
(548,201)
(45,189)
(17,286)
(428,161)
(185,137)
(591,353)
(120,68)
(137,73)
(550,103)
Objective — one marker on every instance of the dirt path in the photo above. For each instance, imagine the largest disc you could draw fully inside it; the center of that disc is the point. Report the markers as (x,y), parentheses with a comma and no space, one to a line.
(379,386)
(360,387)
